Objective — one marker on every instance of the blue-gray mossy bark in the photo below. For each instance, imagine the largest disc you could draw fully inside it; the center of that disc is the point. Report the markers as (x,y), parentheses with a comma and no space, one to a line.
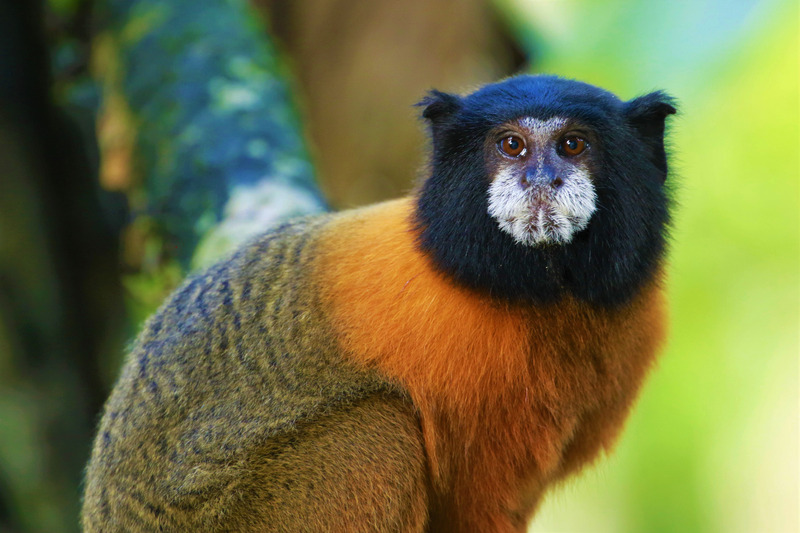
(218,137)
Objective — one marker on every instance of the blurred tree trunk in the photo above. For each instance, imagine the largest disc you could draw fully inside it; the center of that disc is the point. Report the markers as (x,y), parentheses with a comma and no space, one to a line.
(59,290)
(362,65)
(217,149)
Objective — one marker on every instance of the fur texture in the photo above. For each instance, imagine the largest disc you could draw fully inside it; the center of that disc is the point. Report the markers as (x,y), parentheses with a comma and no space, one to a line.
(236,409)
(408,366)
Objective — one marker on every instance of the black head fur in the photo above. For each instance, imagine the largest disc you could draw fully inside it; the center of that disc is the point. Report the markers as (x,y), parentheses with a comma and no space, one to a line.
(604,264)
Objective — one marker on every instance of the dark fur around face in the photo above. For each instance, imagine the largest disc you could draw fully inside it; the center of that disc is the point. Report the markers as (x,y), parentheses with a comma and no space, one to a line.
(604,264)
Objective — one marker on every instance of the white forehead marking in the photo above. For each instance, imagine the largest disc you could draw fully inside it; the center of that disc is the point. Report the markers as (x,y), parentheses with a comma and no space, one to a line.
(542,128)
(541,131)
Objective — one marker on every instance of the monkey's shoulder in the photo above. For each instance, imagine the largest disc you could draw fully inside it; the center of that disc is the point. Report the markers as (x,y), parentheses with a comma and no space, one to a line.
(239,357)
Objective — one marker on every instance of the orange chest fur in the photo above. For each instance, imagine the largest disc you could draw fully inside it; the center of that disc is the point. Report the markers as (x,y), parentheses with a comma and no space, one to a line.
(501,389)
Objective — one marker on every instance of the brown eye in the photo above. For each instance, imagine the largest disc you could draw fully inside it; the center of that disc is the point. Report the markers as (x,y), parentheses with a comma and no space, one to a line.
(572,146)
(512,145)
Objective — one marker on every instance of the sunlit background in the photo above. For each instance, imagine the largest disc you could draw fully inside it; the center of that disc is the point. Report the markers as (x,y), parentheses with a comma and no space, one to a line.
(712,445)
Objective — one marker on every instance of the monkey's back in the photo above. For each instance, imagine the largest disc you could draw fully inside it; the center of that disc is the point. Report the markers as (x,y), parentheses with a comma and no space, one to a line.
(217,386)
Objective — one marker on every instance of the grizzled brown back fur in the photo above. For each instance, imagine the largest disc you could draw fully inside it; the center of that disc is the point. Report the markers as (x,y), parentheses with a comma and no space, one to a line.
(235,409)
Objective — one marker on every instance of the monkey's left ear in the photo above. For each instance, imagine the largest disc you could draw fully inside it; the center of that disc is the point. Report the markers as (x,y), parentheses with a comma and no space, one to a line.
(647,115)
(439,110)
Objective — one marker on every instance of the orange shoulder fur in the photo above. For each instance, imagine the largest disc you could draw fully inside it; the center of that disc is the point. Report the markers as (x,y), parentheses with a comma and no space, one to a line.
(509,397)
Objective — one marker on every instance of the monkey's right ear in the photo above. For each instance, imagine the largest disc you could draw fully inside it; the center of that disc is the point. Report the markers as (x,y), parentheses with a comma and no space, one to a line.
(439,110)
(439,106)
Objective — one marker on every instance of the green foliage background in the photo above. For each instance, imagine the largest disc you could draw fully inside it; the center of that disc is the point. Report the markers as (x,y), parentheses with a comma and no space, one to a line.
(713,444)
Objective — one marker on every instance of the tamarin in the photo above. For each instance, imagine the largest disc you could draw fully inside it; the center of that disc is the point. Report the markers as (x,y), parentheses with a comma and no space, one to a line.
(432,363)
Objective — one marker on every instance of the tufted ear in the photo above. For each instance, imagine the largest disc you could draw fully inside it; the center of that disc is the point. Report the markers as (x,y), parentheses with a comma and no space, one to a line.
(647,115)
(439,109)
(439,105)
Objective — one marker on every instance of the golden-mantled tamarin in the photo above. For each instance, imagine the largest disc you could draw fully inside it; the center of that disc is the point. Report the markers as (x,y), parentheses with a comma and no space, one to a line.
(427,364)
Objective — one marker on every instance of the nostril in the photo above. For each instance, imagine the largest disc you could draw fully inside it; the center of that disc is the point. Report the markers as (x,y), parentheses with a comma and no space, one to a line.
(558,182)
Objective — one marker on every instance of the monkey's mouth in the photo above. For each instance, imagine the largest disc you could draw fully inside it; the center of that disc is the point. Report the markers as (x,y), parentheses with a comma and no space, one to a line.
(542,215)
(543,222)
(541,219)
(539,206)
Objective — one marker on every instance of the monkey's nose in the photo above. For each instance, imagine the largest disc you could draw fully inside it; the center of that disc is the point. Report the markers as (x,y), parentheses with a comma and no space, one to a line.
(541,176)
(525,181)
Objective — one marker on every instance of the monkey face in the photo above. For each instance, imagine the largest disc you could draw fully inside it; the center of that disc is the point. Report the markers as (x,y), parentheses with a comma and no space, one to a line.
(542,186)
(541,189)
